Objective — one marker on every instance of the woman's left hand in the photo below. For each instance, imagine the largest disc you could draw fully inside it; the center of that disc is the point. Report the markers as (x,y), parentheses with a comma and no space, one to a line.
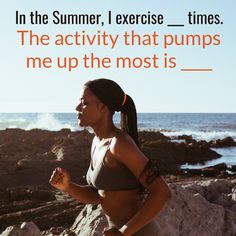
(112,232)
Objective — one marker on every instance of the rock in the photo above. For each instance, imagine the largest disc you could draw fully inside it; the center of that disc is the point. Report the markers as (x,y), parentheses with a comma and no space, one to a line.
(189,212)
(216,170)
(21,164)
(233,168)
(67,232)
(220,166)
(234,194)
(148,136)
(192,172)
(203,144)
(187,138)
(44,214)
(213,189)
(90,222)
(210,172)
(19,194)
(226,142)
(184,136)
(25,153)
(171,155)
(26,229)
(59,231)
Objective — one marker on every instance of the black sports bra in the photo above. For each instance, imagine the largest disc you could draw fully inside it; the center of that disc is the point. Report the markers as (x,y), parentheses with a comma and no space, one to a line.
(111,178)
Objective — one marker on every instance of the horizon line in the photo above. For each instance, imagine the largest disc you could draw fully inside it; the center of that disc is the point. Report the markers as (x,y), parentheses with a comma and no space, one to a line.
(138,112)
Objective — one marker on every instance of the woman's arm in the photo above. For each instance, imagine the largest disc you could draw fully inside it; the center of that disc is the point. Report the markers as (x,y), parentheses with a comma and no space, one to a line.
(60,179)
(129,154)
(84,194)
(156,199)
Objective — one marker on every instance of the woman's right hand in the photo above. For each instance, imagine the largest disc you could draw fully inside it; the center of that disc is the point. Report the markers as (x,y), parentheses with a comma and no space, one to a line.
(60,179)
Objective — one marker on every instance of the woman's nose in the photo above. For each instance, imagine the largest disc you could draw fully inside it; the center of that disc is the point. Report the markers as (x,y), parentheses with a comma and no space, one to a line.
(78,108)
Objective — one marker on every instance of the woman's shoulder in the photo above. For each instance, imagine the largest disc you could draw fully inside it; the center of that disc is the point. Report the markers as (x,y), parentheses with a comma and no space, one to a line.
(121,137)
(121,141)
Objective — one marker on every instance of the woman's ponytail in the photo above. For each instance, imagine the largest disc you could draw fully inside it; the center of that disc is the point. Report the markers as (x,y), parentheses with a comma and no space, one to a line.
(129,119)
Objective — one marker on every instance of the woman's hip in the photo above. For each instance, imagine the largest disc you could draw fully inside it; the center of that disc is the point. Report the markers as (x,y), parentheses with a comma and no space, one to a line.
(148,230)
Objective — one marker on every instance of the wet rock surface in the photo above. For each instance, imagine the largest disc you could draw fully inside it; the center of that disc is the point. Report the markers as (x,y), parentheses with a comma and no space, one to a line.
(171,155)
(226,142)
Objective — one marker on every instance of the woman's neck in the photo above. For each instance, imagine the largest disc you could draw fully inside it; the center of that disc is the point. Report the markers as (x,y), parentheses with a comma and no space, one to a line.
(104,130)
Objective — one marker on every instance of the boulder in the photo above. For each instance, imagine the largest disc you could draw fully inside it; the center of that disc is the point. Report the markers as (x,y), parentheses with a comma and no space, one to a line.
(190,214)
(58,231)
(192,210)
(90,222)
(186,138)
(220,166)
(151,136)
(210,172)
(171,155)
(25,229)
(203,144)
(213,189)
(226,142)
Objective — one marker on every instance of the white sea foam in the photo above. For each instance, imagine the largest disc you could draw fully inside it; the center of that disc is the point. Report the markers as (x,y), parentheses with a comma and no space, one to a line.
(47,121)
(13,123)
(202,135)
(201,127)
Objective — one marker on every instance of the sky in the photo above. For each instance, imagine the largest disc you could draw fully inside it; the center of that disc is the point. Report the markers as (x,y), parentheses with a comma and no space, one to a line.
(25,89)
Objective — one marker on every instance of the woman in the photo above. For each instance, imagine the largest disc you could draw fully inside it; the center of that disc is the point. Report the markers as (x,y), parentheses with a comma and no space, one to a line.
(118,168)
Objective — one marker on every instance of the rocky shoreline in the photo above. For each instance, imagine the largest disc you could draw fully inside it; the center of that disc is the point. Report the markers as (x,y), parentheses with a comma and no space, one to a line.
(27,159)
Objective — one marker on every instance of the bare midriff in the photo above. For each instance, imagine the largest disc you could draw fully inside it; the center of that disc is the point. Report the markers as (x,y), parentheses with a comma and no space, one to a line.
(120,205)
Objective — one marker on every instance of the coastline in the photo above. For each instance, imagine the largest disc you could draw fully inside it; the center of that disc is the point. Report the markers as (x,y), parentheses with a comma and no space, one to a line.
(27,159)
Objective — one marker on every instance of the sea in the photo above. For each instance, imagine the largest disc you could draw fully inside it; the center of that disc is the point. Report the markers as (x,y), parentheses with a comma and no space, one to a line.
(202,126)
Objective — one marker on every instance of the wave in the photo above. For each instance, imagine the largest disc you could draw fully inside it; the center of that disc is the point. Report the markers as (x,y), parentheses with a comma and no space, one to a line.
(13,123)
(201,135)
(44,121)
(48,121)
(56,121)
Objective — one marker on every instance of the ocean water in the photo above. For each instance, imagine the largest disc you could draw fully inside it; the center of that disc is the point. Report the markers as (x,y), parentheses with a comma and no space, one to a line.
(202,126)
(205,126)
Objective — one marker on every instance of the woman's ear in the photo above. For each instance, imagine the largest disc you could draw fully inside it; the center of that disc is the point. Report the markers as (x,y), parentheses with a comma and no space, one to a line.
(103,108)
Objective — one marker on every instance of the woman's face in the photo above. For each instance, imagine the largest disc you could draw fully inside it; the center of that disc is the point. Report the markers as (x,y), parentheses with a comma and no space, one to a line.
(89,109)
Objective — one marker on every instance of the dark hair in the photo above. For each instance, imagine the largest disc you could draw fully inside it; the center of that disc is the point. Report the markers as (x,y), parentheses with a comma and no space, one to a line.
(112,95)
